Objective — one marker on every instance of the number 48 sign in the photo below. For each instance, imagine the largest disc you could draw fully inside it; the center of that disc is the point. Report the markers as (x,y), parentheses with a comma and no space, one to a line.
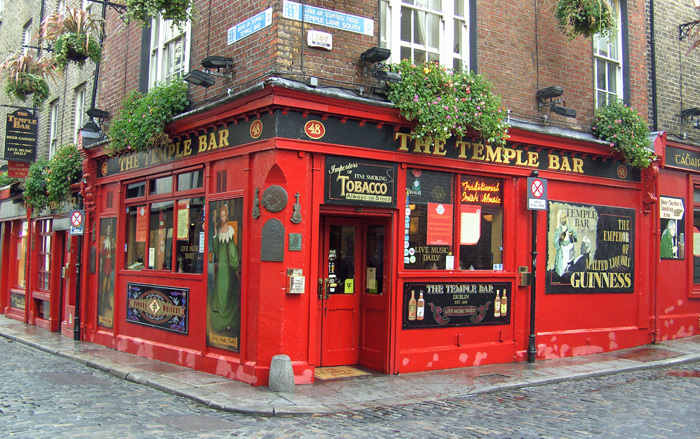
(536,193)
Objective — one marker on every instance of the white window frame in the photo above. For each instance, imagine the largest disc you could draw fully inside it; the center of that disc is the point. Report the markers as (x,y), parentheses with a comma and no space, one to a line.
(2,8)
(80,93)
(53,128)
(164,37)
(26,37)
(608,52)
(442,51)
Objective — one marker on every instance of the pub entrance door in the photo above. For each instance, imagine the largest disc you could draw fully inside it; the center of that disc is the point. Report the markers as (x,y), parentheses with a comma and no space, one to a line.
(354,292)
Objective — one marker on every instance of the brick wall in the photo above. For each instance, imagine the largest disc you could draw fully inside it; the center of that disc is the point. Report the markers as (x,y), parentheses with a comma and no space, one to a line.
(677,80)
(62,91)
(520,49)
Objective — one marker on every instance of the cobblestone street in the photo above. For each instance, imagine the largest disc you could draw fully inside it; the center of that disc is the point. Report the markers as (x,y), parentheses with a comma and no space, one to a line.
(43,395)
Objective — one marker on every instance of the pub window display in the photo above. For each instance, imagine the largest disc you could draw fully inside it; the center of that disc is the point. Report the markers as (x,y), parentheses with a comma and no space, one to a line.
(453,227)
(164,229)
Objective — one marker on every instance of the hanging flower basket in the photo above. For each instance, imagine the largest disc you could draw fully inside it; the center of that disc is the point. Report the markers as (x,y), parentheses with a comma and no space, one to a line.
(25,77)
(142,11)
(585,17)
(76,48)
(75,36)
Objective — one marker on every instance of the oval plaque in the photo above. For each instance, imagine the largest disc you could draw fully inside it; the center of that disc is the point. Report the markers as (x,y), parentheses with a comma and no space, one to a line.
(274,198)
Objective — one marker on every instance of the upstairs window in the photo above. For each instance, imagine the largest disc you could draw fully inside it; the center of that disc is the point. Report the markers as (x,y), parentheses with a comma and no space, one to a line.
(427,30)
(53,128)
(79,112)
(607,59)
(169,56)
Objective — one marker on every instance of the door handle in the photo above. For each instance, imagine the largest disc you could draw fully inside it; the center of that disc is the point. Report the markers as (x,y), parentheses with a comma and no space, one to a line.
(322,288)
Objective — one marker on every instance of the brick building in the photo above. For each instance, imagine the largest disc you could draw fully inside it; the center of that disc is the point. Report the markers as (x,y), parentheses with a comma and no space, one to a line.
(674,110)
(294,214)
(34,287)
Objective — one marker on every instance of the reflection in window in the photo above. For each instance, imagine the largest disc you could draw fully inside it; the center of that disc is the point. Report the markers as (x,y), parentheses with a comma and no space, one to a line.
(190,235)
(161,236)
(429,220)
(481,223)
(136,230)
(341,243)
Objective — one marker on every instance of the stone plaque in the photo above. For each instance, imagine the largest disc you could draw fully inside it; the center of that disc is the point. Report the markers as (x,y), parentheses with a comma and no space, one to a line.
(274,198)
(272,241)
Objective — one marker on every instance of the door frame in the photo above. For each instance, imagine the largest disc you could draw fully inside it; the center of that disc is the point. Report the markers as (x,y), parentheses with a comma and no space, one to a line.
(367,217)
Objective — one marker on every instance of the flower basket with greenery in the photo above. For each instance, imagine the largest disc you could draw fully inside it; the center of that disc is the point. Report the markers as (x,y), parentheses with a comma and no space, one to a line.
(585,17)
(49,181)
(65,168)
(35,194)
(141,11)
(140,123)
(25,76)
(627,133)
(75,36)
(444,103)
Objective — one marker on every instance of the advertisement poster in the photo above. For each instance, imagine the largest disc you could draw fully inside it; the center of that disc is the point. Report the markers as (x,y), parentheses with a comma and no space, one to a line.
(360,182)
(672,220)
(437,305)
(590,249)
(224,274)
(158,306)
(105,277)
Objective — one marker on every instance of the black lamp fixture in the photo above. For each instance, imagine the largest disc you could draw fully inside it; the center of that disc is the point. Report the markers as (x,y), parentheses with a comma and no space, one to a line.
(546,97)
(205,79)
(376,56)
(692,115)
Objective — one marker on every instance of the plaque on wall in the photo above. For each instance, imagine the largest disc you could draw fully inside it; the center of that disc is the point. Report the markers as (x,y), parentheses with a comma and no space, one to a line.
(272,241)
(274,198)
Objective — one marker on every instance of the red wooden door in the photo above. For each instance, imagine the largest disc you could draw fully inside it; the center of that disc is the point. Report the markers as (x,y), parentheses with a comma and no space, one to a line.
(354,328)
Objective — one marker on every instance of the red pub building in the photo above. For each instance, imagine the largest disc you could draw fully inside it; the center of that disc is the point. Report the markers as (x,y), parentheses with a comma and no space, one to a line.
(297,218)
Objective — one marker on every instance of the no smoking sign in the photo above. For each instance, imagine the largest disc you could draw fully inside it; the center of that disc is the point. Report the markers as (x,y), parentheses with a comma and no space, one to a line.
(536,193)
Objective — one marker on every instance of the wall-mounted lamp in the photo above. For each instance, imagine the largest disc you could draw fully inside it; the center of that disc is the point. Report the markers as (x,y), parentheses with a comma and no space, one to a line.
(205,79)
(376,56)
(546,98)
(692,115)
(96,113)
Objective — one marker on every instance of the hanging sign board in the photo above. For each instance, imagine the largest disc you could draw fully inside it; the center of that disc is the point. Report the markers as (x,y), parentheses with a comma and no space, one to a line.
(20,136)
(18,169)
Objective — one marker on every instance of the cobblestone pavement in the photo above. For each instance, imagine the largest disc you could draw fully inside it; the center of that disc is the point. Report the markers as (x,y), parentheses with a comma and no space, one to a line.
(43,395)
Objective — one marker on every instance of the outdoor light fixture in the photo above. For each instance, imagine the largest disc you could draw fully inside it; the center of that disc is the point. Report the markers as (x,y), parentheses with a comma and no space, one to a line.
(96,113)
(692,115)
(384,75)
(546,98)
(197,77)
(375,55)
(205,79)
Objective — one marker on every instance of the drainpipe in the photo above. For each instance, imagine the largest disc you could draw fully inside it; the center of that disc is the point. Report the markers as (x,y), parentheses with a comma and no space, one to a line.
(532,346)
(652,56)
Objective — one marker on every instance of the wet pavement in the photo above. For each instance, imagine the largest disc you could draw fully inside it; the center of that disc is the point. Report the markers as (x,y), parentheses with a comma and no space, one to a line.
(359,393)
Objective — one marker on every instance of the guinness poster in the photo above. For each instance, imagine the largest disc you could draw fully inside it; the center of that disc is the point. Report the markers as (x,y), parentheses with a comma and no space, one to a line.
(590,249)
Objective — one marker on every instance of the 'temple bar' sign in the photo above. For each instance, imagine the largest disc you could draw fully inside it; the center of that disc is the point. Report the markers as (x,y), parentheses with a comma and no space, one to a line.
(20,136)
(328,18)
(250,26)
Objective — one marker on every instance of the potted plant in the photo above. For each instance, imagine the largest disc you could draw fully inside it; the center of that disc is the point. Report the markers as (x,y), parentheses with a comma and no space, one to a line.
(75,36)
(585,17)
(444,103)
(627,133)
(140,123)
(25,77)
(141,11)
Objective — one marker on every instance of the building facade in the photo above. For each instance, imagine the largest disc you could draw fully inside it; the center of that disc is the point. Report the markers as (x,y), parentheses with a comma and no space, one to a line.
(38,278)
(674,110)
(294,214)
